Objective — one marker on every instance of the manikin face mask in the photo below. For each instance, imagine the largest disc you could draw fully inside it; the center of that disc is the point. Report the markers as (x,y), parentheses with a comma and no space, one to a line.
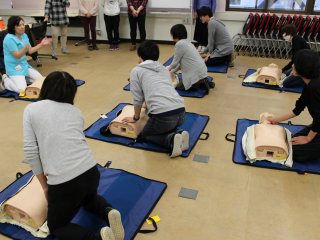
(286,37)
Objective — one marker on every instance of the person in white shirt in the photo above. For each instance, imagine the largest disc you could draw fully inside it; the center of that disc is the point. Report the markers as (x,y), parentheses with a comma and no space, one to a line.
(88,11)
(111,10)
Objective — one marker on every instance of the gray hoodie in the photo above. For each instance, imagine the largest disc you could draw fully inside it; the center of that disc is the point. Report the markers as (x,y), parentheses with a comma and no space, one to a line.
(187,58)
(219,41)
(150,82)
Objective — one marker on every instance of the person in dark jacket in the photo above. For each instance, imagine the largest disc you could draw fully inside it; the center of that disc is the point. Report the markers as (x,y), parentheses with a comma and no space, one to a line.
(306,143)
(289,33)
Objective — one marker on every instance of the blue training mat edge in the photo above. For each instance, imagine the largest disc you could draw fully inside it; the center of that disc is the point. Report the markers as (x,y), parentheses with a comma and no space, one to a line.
(182,155)
(274,168)
(151,209)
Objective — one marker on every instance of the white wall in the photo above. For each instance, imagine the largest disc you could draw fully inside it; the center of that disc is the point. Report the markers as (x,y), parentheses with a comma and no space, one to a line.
(157,24)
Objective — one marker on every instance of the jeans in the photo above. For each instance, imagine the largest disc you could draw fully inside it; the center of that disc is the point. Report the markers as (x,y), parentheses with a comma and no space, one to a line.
(112,28)
(65,200)
(89,25)
(160,129)
(292,81)
(218,61)
(309,151)
(140,20)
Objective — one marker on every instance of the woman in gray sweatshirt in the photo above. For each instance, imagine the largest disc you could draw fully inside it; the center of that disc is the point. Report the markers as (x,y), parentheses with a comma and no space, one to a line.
(186,57)
(56,149)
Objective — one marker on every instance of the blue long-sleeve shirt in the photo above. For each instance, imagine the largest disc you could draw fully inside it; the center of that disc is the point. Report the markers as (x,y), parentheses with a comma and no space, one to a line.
(197,4)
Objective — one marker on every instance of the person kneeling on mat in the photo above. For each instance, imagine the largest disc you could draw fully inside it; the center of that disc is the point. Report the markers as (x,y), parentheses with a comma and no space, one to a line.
(220,46)
(186,57)
(56,149)
(289,33)
(151,83)
(306,143)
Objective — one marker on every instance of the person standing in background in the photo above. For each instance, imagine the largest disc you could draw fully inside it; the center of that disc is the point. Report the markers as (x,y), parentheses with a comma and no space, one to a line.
(201,29)
(111,10)
(55,11)
(88,11)
(137,15)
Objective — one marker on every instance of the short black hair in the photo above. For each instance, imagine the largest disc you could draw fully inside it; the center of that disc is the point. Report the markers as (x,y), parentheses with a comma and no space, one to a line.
(59,87)
(205,11)
(12,22)
(307,63)
(179,31)
(289,29)
(148,50)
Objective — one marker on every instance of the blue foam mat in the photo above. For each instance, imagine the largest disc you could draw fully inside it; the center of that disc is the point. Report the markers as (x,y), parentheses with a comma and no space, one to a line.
(271,87)
(194,124)
(213,69)
(199,93)
(240,158)
(134,196)
(10,94)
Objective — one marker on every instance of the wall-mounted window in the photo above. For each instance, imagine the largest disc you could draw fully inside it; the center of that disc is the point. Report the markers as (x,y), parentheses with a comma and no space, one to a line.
(317,6)
(299,6)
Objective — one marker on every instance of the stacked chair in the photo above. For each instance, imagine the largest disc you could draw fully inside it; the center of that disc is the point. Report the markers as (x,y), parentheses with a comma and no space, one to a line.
(262,36)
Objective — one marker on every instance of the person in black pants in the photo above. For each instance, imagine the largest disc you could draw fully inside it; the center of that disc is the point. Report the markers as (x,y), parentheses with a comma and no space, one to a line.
(201,29)
(289,33)
(306,143)
(137,15)
(60,158)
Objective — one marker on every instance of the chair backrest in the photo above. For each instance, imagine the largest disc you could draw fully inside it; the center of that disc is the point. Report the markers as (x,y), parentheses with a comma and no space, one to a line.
(248,24)
(299,23)
(267,20)
(38,31)
(255,24)
(317,30)
(312,26)
(263,19)
(305,26)
(273,23)
(279,25)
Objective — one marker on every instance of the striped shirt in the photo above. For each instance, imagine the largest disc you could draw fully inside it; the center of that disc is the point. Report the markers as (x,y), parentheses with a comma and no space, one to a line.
(136,4)
(56,10)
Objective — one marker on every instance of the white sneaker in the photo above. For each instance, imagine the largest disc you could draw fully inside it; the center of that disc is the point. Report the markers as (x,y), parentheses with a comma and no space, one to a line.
(106,233)
(185,141)
(177,143)
(116,226)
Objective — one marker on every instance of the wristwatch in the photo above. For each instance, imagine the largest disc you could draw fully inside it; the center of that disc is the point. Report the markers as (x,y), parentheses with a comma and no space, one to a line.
(135,119)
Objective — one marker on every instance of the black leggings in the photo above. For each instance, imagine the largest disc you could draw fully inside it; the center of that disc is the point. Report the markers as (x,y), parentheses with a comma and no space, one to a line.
(65,200)
(309,151)
(218,61)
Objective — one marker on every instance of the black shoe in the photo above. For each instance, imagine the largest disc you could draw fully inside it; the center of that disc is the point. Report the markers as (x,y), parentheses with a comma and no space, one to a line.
(90,47)
(212,84)
(95,47)
(206,85)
